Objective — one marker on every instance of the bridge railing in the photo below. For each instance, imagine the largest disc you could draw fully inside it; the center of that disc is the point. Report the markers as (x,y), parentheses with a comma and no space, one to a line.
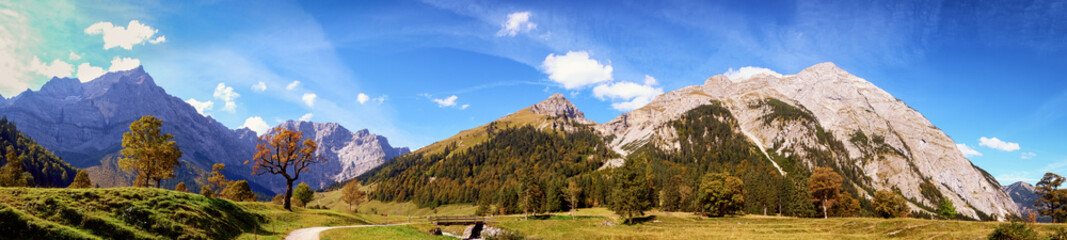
(449,220)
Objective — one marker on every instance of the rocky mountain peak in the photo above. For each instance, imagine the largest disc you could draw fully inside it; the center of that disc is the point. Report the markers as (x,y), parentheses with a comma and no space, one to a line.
(558,106)
(63,87)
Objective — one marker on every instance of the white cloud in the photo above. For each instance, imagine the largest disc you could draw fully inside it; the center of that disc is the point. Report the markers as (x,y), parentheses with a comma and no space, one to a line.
(575,70)
(362,98)
(306,117)
(123,64)
(124,37)
(1029,155)
(200,106)
(256,124)
(997,144)
(633,94)
(748,72)
(74,56)
(465,106)
(309,99)
(379,99)
(227,95)
(57,68)
(517,22)
(446,102)
(292,85)
(88,72)
(967,150)
(259,87)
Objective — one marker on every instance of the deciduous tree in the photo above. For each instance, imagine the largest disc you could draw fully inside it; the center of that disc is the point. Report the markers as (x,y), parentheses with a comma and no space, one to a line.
(351,194)
(281,152)
(148,151)
(81,180)
(721,194)
(889,204)
(217,179)
(181,187)
(303,193)
(573,191)
(206,191)
(238,191)
(11,174)
(825,188)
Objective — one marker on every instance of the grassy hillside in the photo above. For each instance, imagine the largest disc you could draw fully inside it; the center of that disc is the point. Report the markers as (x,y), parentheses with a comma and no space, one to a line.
(121,213)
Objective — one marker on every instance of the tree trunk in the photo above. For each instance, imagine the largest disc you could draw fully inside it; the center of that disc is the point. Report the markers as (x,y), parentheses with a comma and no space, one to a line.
(824,215)
(158,182)
(288,194)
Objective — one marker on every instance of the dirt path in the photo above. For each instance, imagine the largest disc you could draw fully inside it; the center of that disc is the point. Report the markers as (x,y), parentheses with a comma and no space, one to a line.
(312,233)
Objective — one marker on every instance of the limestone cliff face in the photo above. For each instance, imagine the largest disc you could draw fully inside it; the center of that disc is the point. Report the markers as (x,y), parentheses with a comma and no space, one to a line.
(891,143)
(348,154)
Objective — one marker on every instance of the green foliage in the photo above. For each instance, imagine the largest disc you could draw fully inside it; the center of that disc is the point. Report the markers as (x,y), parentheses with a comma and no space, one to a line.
(889,204)
(149,152)
(120,213)
(11,174)
(37,166)
(1053,201)
(631,194)
(946,210)
(1014,231)
(303,193)
(1058,233)
(493,169)
(721,194)
(81,180)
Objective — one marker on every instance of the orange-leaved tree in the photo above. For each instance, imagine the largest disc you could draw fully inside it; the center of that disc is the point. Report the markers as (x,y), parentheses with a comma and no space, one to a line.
(282,152)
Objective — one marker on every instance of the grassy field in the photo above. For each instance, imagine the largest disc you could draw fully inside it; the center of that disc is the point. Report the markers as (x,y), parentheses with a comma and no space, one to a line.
(376,233)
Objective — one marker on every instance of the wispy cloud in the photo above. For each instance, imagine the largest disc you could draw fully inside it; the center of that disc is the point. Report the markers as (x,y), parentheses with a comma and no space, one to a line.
(998,144)
(517,22)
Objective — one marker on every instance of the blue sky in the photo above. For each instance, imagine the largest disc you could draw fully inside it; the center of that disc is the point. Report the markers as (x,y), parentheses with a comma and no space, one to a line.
(977,70)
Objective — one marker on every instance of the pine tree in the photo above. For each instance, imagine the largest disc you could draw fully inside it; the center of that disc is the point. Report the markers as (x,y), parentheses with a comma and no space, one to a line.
(631,192)
(148,151)
(1053,201)
(81,180)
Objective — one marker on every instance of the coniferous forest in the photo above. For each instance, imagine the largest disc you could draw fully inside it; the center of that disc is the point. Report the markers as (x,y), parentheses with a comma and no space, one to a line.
(40,168)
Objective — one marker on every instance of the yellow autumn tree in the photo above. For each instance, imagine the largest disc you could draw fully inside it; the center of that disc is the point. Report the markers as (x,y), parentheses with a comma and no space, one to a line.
(285,152)
(149,152)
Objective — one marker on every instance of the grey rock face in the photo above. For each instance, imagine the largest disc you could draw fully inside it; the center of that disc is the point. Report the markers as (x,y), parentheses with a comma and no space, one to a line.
(843,105)
(348,154)
(1023,194)
(557,106)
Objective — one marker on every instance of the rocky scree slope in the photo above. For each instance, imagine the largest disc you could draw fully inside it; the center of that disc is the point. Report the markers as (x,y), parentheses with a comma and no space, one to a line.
(883,142)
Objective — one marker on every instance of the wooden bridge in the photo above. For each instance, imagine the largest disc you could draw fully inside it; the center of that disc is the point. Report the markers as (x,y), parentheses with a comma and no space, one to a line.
(458,220)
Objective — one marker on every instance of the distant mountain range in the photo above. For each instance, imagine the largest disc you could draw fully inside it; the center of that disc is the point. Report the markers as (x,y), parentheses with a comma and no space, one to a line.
(820,117)
(83,123)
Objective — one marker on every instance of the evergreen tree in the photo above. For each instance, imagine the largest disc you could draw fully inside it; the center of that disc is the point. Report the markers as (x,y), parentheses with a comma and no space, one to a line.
(81,180)
(1053,201)
(631,192)
(149,152)
(946,209)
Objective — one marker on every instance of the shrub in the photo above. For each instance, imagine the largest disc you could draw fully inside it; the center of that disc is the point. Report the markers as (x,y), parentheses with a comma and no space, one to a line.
(1058,233)
(1013,231)
(888,204)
